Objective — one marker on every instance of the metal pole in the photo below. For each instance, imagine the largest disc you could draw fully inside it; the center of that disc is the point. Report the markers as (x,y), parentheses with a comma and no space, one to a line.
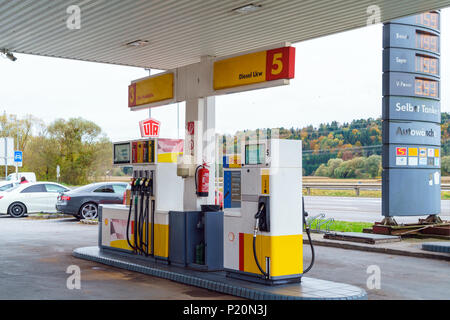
(17,146)
(6,158)
(149,109)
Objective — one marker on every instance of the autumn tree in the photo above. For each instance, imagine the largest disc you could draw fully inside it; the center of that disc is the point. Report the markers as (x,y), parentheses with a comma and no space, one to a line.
(19,129)
(81,148)
(445,165)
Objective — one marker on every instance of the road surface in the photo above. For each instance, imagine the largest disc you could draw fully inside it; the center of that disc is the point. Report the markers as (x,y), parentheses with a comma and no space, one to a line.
(400,277)
(35,255)
(358,209)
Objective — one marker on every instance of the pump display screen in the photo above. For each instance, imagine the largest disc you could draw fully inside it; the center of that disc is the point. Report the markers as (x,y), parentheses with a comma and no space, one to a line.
(428,19)
(427,41)
(427,64)
(143,151)
(426,88)
(254,154)
(121,153)
(410,85)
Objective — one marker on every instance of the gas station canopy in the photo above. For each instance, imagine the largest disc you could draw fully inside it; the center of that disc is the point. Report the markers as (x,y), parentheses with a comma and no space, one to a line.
(167,34)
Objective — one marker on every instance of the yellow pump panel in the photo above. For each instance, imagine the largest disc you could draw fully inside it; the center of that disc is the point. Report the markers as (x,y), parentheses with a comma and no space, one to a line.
(161,241)
(285,254)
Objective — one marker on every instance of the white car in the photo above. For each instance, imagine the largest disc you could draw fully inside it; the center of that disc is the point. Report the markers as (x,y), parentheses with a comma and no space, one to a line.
(30,176)
(5,185)
(30,198)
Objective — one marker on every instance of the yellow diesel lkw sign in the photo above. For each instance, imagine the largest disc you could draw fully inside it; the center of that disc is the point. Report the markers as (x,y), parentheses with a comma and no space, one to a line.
(254,68)
(238,71)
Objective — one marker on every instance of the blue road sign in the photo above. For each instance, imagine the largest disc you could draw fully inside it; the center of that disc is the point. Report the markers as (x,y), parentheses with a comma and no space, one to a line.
(18,156)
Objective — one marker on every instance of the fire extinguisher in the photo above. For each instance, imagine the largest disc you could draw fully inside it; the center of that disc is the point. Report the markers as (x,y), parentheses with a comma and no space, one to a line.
(202,180)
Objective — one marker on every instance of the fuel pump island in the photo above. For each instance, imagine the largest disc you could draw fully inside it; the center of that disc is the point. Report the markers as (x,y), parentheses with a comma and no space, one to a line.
(170,225)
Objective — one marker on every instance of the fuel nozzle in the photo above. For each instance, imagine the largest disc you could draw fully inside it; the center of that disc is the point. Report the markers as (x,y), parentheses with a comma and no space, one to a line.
(148,185)
(141,184)
(137,183)
(257,216)
(256,229)
(305,214)
(133,184)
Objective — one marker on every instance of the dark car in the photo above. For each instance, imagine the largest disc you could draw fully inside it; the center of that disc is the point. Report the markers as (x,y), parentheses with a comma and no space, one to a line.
(83,202)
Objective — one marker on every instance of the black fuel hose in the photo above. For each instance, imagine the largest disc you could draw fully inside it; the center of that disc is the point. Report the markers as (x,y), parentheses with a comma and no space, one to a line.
(146,222)
(139,226)
(308,233)
(140,243)
(140,222)
(265,274)
(312,251)
(129,220)
(257,216)
(144,226)
(153,228)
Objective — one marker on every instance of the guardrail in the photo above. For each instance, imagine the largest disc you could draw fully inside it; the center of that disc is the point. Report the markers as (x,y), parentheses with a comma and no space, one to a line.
(351,186)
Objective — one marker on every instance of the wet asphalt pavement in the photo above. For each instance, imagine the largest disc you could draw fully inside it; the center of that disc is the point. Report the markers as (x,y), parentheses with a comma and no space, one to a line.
(35,254)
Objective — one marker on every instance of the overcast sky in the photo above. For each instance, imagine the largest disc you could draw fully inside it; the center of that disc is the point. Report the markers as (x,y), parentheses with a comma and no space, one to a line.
(336,78)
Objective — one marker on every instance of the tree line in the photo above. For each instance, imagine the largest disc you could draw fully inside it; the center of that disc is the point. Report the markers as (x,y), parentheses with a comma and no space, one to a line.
(78,146)
(358,167)
(84,153)
(349,144)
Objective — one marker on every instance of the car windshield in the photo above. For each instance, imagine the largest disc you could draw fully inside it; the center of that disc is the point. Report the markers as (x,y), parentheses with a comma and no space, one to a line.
(6,187)
(13,177)
(83,188)
(13,188)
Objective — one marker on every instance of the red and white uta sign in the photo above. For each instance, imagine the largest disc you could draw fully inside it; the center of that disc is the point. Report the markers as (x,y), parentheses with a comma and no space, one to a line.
(149,128)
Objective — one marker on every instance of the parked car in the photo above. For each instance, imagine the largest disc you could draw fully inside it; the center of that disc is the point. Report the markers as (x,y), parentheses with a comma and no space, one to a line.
(5,185)
(30,176)
(83,202)
(30,198)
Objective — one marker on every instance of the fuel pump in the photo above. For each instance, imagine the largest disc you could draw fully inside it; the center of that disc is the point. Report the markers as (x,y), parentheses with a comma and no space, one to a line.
(262,201)
(145,208)
(262,224)
(142,227)
(139,187)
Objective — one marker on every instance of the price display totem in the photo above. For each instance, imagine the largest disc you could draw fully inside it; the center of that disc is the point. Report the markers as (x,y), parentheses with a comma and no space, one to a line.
(411,117)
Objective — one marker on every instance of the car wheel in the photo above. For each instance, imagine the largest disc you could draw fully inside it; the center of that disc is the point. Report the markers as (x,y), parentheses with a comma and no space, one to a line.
(17,210)
(89,211)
